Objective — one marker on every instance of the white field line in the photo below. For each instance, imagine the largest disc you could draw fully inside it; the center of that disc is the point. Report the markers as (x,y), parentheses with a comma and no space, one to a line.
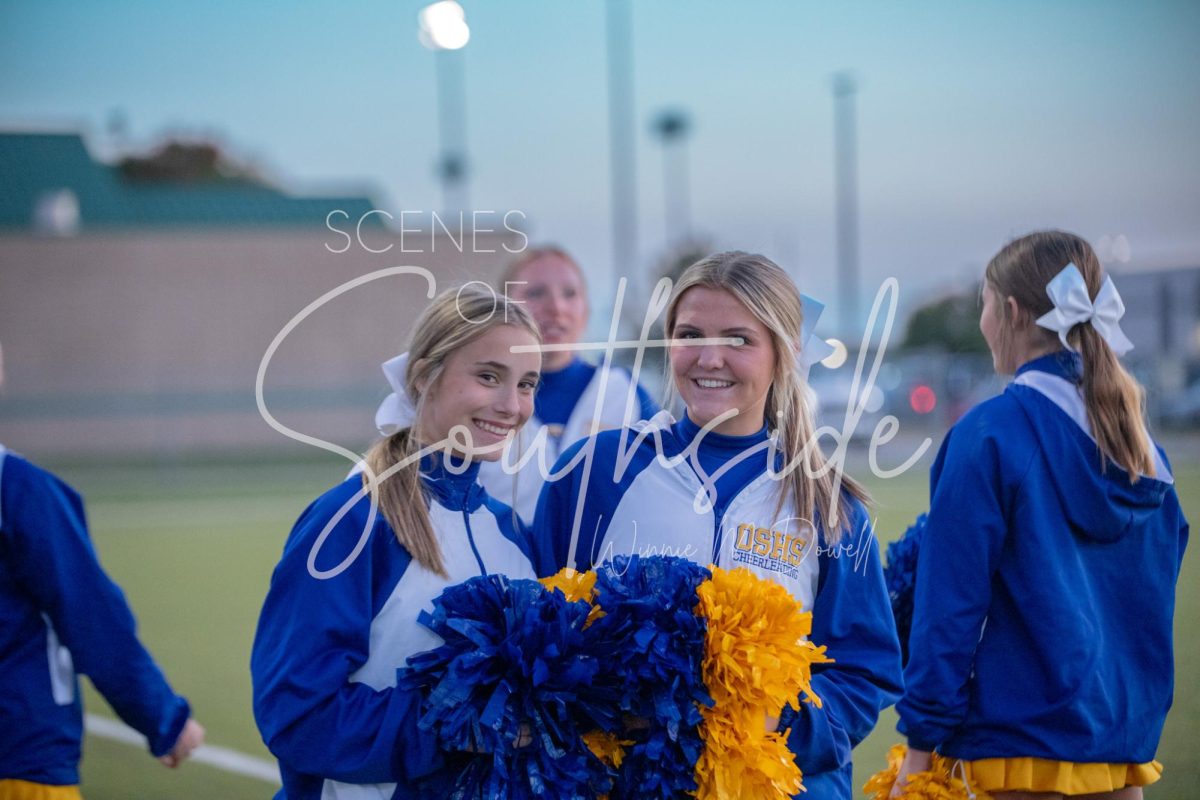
(220,757)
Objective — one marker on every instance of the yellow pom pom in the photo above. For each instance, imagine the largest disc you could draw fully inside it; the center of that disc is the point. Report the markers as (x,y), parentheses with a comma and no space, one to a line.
(937,783)
(573,584)
(576,585)
(880,784)
(757,659)
(757,653)
(738,763)
(607,747)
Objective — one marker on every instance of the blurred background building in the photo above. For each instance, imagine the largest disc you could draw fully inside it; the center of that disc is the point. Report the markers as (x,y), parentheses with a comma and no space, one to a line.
(138,298)
(176,182)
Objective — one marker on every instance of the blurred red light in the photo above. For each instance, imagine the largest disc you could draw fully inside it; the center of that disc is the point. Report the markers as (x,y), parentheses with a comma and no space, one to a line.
(922,399)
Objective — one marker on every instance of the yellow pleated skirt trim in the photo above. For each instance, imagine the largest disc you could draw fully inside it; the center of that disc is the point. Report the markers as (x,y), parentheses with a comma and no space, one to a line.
(1064,777)
(25,790)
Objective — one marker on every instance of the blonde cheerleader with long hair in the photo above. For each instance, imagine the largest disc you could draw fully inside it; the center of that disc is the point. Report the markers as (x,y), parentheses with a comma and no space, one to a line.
(738,481)
(368,556)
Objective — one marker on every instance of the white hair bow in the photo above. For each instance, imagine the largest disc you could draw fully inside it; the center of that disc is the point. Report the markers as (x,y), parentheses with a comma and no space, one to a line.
(812,348)
(396,412)
(1072,307)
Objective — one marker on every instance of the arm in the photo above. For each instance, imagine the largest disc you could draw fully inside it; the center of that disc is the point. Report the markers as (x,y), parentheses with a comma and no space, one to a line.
(853,618)
(964,534)
(312,635)
(55,563)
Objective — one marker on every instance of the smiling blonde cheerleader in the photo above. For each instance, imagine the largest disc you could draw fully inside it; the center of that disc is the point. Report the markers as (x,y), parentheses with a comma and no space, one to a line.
(337,622)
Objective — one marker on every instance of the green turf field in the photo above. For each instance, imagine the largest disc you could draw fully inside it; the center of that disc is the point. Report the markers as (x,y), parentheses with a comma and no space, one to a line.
(194,545)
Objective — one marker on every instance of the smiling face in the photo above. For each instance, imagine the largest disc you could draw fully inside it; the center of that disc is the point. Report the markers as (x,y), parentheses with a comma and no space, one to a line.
(712,379)
(552,289)
(486,389)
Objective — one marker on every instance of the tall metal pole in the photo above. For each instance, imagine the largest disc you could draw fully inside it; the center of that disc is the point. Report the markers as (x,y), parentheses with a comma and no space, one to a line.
(621,132)
(452,130)
(443,28)
(846,174)
(672,127)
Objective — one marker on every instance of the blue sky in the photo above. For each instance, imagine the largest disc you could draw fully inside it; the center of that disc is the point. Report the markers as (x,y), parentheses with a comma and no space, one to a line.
(977,121)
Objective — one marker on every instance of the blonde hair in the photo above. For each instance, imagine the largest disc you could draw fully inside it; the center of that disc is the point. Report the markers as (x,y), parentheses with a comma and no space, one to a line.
(772,297)
(454,319)
(528,256)
(1113,398)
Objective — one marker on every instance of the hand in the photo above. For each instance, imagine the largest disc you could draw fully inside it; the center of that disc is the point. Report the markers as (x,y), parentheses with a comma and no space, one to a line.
(914,761)
(191,737)
(632,723)
(524,736)
(772,723)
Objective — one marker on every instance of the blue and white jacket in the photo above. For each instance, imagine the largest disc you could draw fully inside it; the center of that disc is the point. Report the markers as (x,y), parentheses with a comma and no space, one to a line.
(61,615)
(327,649)
(652,509)
(1045,587)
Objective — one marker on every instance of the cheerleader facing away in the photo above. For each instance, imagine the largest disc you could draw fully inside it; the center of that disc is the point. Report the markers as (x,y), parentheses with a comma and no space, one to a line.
(714,487)
(338,623)
(61,616)
(574,398)
(1041,647)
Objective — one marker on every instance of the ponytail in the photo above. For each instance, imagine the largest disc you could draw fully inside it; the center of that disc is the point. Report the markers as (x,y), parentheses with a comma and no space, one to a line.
(1113,398)
(401,498)
(1115,404)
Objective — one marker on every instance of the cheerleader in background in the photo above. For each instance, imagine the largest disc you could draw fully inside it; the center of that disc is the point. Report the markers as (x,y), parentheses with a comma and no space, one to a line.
(338,623)
(1041,650)
(575,398)
(61,616)
(724,503)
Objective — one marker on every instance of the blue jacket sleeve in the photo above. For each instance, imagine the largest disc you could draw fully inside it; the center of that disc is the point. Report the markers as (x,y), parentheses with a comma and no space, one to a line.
(647,405)
(852,616)
(515,530)
(964,535)
(1184,531)
(312,635)
(555,516)
(1184,527)
(55,563)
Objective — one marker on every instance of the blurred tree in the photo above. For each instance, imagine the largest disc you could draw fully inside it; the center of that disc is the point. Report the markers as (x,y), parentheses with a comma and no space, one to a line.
(189,162)
(950,324)
(681,256)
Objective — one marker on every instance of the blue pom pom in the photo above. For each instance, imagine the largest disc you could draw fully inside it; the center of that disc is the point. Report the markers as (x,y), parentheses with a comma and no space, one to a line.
(900,575)
(512,665)
(650,643)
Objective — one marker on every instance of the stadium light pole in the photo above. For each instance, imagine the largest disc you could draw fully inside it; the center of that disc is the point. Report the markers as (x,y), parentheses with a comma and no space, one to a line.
(622,153)
(443,29)
(672,127)
(846,172)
